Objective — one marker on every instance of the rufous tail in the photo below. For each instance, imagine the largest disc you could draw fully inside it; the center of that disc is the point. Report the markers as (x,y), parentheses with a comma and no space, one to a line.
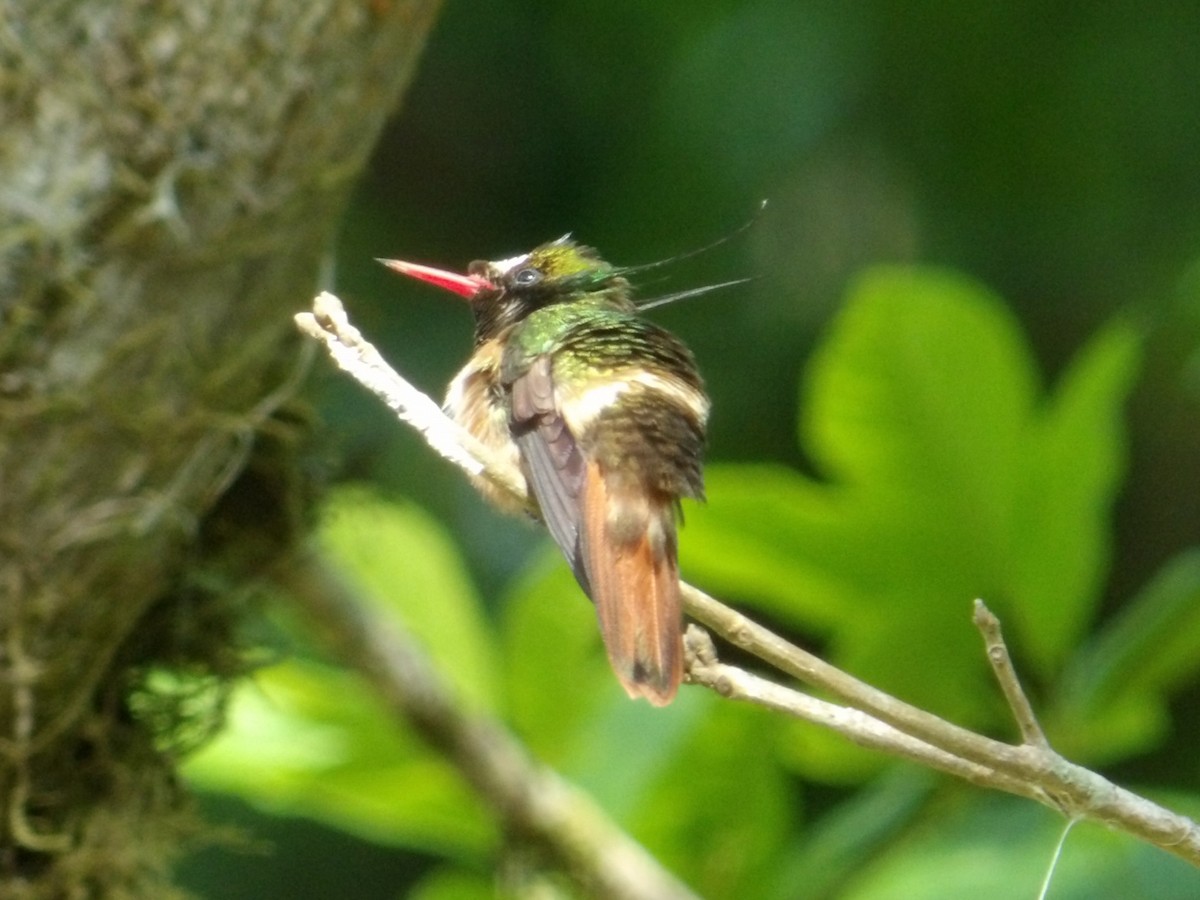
(629,553)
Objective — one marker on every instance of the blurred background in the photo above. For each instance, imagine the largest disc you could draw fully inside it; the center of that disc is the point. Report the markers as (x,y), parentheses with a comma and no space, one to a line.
(1047,149)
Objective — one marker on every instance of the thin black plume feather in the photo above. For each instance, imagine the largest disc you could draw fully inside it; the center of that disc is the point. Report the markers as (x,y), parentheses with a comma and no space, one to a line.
(692,292)
(626,270)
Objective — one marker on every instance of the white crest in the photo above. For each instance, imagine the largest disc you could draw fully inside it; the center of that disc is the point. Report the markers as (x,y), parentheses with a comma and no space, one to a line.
(504,266)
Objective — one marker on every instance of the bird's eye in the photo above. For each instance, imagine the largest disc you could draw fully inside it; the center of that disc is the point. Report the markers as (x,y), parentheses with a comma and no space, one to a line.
(527,277)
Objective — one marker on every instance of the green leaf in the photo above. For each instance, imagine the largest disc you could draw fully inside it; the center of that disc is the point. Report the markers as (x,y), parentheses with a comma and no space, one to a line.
(624,750)
(567,703)
(720,811)
(307,740)
(996,848)
(1113,696)
(945,478)
(454,884)
(922,387)
(556,673)
(770,535)
(833,848)
(402,559)
(1071,470)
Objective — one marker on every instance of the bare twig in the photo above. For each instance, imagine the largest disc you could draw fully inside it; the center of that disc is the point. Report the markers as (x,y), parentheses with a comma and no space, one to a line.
(1006,674)
(704,668)
(874,718)
(328,323)
(1076,792)
(814,671)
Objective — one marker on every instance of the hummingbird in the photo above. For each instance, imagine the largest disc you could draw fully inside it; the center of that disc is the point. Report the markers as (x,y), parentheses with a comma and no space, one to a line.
(604,413)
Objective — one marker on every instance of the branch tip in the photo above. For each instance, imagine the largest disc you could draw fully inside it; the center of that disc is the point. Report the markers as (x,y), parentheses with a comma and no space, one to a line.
(1006,674)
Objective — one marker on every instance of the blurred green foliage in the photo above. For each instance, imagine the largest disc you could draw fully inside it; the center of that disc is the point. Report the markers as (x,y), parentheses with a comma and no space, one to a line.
(945,476)
(947,473)
(1033,442)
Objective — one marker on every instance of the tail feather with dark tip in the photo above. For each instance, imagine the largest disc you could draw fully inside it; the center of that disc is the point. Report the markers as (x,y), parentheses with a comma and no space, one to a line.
(628,548)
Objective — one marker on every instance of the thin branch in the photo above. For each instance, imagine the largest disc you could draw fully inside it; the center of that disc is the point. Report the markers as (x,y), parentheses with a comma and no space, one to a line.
(532,802)
(353,354)
(1006,675)
(1030,769)
(1076,792)
(705,669)
(814,671)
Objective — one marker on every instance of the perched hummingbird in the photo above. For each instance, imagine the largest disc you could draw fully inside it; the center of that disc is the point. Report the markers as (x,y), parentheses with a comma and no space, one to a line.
(604,413)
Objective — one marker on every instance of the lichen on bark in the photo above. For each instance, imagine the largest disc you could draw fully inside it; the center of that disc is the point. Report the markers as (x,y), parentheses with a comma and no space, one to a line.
(170,177)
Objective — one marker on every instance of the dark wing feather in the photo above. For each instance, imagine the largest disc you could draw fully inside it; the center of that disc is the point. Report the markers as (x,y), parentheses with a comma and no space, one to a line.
(555,466)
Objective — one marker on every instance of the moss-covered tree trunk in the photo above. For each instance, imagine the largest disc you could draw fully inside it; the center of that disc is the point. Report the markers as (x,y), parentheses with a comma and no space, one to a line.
(170,177)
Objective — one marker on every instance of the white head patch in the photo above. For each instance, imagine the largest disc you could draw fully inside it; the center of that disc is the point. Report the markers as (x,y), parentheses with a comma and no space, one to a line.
(503,266)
